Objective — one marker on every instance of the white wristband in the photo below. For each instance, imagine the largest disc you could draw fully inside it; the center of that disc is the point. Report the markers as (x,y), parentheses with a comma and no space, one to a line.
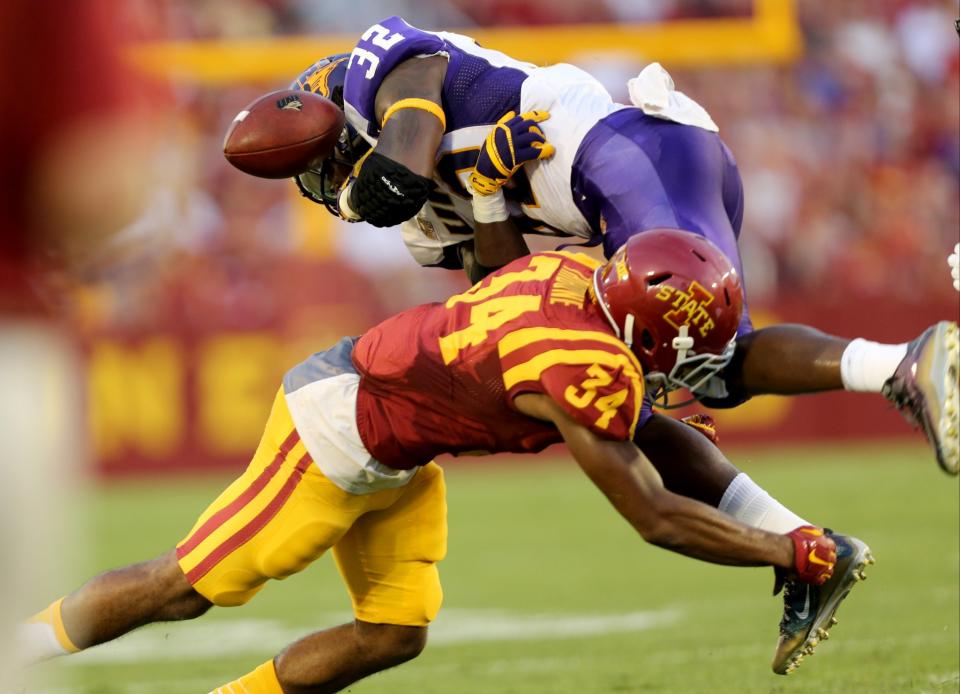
(344,206)
(488,209)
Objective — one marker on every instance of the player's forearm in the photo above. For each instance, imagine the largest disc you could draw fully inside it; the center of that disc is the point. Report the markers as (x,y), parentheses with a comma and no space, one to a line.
(684,525)
(697,530)
(636,491)
(498,243)
(468,260)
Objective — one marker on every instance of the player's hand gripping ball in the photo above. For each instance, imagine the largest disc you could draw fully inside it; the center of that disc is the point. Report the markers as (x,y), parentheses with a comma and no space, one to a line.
(513,141)
(814,554)
(283,133)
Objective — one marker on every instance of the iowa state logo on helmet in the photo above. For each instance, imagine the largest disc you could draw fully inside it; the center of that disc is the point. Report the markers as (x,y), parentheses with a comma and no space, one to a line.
(688,307)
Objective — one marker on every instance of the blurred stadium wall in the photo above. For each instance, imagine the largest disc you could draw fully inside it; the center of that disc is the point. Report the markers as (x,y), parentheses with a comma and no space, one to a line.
(843,116)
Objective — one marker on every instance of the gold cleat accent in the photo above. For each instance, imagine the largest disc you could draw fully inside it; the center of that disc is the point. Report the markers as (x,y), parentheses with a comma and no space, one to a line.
(926,389)
(798,640)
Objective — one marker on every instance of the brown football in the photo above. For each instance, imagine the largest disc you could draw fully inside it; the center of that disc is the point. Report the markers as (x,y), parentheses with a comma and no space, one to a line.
(283,133)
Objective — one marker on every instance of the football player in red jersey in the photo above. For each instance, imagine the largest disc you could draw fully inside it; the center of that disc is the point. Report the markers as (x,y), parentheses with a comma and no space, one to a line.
(552,348)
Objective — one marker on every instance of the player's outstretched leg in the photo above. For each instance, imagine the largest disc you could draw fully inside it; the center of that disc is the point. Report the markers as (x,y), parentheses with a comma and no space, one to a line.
(109,606)
(925,389)
(808,610)
(329,660)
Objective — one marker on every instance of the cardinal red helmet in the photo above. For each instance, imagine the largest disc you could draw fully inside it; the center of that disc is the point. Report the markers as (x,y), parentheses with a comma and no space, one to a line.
(676,300)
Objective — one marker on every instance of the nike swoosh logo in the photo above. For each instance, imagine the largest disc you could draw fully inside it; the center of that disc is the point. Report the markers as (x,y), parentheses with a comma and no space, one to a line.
(814,559)
(805,612)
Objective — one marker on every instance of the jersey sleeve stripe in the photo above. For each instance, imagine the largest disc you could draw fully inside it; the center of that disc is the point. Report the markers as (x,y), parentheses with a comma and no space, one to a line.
(589,262)
(525,337)
(531,370)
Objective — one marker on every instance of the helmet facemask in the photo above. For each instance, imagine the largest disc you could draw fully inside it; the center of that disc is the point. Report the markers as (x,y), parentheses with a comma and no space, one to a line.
(676,301)
(323,182)
(693,372)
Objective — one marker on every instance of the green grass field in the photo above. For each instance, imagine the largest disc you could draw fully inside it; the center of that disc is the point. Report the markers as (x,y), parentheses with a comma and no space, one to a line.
(548,590)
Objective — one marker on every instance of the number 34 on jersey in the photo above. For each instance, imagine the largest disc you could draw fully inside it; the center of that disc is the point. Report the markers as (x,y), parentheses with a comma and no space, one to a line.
(580,365)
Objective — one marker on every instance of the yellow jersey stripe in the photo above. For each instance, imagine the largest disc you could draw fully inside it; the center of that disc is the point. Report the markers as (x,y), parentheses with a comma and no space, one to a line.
(532,369)
(527,336)
(582,258)
(540,267)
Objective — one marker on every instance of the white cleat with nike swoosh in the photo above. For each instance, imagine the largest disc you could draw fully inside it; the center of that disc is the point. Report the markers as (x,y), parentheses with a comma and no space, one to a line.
(808,610)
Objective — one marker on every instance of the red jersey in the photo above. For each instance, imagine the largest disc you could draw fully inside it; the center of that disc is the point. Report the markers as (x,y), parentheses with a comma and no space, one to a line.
(441,378)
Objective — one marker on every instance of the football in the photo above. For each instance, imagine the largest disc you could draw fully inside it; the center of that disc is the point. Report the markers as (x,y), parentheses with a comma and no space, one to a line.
(283,133)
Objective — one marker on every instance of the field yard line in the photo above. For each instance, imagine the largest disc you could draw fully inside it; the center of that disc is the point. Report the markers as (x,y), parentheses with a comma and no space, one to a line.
(838,643)
(464,626)
(203,640)
(496,667)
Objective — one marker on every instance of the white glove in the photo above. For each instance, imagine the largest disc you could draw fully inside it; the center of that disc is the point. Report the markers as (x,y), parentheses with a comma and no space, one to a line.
(953,260)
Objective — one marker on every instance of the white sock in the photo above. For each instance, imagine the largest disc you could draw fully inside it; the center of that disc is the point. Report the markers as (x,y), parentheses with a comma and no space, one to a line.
(865,365)
(37,641)
(751,505)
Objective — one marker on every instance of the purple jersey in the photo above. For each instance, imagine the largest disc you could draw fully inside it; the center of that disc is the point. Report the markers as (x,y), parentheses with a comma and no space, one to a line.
(617,171)
(479,87)
(634,172)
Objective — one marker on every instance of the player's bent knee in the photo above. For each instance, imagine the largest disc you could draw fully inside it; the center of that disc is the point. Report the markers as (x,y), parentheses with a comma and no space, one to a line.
(181,601)
(392,644)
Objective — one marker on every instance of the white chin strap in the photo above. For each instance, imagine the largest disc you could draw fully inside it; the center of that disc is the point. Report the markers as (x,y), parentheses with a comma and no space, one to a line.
(628,330)
(682,343)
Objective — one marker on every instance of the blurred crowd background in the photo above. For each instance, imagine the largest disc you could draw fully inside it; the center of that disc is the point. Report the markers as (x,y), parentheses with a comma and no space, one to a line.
(151,296)
(193,287)
(850,156)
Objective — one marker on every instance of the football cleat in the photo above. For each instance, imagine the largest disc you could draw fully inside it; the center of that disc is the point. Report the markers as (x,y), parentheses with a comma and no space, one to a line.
(925,390)
(808,610)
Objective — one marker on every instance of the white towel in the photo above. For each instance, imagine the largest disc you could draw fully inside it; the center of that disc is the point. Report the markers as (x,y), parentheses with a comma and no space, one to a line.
(653,92)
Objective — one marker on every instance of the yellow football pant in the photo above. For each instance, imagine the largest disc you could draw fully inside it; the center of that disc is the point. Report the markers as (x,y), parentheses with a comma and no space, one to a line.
(282,513)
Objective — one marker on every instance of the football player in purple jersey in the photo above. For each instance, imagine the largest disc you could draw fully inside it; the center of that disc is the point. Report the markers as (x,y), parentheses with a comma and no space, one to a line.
(425,113)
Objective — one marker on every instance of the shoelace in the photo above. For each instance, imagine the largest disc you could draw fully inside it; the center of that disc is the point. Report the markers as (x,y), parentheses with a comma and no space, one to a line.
(903,400)
(790,597)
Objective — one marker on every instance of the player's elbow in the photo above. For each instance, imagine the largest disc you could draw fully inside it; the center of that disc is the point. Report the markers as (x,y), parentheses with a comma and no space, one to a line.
(658,526)
(659,533)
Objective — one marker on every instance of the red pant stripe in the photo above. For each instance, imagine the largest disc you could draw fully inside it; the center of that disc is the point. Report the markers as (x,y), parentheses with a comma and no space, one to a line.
(255,525)
(231,509)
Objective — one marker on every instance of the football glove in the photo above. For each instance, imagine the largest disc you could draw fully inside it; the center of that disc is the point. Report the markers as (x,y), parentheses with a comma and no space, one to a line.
(705,424)
(814,554)
(513,141)
(953,260)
